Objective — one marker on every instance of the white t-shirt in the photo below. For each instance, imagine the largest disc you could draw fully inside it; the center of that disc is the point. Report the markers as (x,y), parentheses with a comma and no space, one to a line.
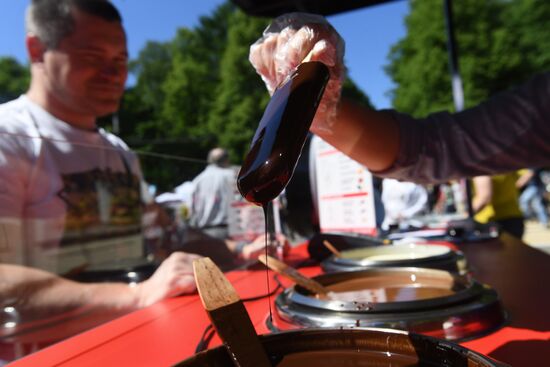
(68,197)
(402,201)
(212,193)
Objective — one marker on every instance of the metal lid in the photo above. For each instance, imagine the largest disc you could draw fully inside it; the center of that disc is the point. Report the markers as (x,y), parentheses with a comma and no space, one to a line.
(407,255)
(451,306)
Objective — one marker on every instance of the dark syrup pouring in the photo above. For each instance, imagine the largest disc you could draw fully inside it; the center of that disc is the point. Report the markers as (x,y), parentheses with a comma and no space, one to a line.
(279,139)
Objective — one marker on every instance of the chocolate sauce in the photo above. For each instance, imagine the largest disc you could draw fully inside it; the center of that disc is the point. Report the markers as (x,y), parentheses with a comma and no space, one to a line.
(390,288)
(280,137)
(348,358)
(388,294)
(268,231)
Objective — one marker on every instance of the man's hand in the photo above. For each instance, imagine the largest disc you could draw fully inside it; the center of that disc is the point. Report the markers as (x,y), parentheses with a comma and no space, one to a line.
(287,42)
(257,248)
(173,277)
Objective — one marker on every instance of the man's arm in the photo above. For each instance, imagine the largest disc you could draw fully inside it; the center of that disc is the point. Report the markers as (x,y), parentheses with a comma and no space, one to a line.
(526,175)
(257,247)
(368,136)
(483,192)
(37,294)
(507,132)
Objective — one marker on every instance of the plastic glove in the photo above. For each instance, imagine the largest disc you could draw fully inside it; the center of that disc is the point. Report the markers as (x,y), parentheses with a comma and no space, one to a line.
(287,42)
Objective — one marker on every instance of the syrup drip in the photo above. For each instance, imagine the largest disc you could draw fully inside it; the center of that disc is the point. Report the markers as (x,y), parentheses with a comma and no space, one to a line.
(268,230)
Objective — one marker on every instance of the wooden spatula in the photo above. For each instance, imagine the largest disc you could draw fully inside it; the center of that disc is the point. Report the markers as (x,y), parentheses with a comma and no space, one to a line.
(331,248)
(228,315)
(293,274)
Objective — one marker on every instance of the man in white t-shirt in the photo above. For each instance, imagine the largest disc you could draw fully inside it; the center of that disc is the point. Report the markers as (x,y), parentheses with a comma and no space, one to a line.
(64,183)
(402,201)
(212,194)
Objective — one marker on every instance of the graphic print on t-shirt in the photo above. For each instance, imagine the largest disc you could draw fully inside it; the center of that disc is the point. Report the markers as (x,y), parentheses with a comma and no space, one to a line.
(100,204)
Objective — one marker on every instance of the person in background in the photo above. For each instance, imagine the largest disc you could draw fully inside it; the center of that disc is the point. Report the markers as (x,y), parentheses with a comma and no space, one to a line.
(158,230)
(165,233)
(507,132)
(213,191)
(402,201)
(496,200)
(379,210)
(63,179)
(531,199)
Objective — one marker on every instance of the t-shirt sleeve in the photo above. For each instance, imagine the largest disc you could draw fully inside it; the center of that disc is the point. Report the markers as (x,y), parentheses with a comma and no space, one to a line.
(505,133)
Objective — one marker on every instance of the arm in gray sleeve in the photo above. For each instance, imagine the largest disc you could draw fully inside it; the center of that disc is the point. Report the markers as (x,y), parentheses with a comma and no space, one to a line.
(505,133)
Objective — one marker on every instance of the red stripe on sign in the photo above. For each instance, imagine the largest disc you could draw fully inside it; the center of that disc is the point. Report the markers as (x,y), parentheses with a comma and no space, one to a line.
(342,196)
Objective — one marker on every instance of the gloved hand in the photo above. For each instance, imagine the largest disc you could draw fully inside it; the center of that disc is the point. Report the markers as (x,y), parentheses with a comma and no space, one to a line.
(287,42)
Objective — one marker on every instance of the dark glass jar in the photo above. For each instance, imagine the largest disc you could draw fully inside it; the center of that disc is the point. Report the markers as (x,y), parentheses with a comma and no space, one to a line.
(283,129)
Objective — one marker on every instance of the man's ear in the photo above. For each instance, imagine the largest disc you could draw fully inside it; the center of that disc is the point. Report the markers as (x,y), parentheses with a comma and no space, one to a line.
(35,48)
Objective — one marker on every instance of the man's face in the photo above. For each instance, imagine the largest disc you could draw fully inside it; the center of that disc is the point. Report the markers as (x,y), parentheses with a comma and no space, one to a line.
(87,72)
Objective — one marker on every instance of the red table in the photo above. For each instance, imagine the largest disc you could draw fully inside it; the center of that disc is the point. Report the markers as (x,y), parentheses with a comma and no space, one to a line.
(168,332)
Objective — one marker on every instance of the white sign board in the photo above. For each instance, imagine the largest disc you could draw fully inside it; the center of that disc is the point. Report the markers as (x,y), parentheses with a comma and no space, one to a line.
(245,220)
(344,191)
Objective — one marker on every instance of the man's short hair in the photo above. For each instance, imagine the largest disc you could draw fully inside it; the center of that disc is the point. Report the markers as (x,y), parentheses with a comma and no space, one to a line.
(52,20)
(218,156)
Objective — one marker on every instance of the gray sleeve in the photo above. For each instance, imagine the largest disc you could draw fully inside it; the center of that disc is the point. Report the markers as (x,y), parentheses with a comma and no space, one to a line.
(505,133)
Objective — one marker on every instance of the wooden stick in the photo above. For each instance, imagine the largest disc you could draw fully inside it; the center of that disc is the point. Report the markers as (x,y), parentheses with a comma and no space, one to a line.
(293,274)
(332,248)
(228,315)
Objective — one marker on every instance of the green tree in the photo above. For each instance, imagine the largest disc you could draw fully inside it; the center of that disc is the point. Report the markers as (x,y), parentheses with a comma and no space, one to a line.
(241,95)
(419,60)
(195,92)
(166,111)
(151,69)
(496,45)
(194,76)
(528,29)
(14,78)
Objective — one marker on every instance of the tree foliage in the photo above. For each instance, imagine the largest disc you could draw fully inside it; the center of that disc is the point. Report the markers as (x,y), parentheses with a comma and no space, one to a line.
(241,96)
(195,92)
(528,23)
(14,79)
(500,43)
(168,108)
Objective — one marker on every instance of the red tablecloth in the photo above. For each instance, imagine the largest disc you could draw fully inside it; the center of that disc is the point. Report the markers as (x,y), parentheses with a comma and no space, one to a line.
(168,332)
